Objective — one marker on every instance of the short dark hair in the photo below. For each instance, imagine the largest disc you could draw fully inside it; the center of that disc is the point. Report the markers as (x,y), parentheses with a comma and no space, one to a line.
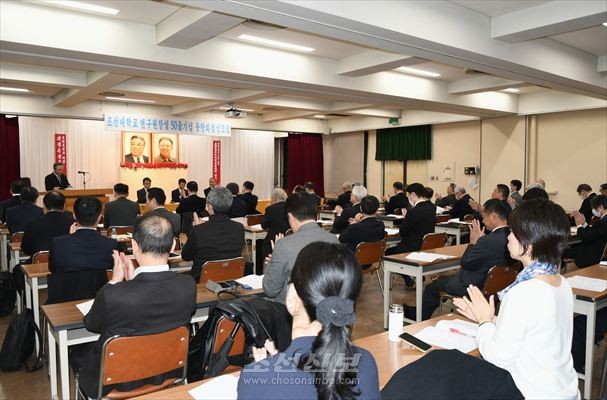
(182,180)
(429,192)
(29,194)
(233,188)
(398,185)
(603,186)
(26,180)
(248,185)
(369,204)
(121,189)
(498,207)
(302,205)
(192,186)
(309,185)
(56,164)
(154,234)
(584,187)
(535,193)
(517,184)
(54,200)
(157,194)
(298,189)
(543,225)
(86,210)
(137,137)
(147,179)
(598,201)
(417,188)
(504,190)
(16,186)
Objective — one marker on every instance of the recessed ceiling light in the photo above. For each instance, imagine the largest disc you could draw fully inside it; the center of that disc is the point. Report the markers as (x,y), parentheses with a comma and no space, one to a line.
(275,43)
(14,89)
(416,71)
(319,116)
(511,90)
(129,100)
(241,109)
(604,23)
(84,6)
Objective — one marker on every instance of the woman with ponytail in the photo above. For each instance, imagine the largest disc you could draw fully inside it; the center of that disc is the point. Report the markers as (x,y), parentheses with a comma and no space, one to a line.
(321,362)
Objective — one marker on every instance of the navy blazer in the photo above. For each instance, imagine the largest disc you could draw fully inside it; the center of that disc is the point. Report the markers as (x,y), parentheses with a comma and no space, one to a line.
(461,207)
(251,201)
(82,250)
(142,196)
(367,230)
(40,232)
(193,203)
(419,221)
(51,181)
(275,221)
(399,200)
(586,209)
(8,203)
(18,216)
(238,209)
(593,238)
(343,200)
(341,222)
(175,195)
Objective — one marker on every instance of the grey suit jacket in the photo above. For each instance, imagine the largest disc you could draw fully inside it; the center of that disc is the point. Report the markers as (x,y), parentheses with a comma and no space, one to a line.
(517,197)
(174,218)
(278,273)
(120,212)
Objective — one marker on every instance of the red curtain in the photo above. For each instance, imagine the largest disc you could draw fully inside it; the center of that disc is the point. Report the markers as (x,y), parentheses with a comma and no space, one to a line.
(9,143)
(305,161)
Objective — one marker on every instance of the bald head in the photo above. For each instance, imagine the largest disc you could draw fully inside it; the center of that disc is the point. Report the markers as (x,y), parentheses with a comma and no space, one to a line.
(154,235)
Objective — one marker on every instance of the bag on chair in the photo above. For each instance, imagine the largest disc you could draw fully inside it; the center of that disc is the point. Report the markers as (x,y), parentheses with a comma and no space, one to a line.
(8,293)
(19,343)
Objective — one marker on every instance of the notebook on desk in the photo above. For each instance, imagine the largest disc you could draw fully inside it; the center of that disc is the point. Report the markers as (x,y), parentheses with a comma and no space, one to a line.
(222,387)
(451,334)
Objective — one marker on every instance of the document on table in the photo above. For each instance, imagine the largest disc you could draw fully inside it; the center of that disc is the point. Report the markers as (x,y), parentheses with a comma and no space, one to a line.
(256,227)
(585,283)
(426,257)
(457,221)
(452,334)
(324,222)
(255,281)
(85,307)
(395,216)
(574,230)
(392,231)
(222,387)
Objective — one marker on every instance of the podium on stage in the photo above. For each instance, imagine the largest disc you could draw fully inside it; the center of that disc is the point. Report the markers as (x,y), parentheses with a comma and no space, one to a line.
(72,195)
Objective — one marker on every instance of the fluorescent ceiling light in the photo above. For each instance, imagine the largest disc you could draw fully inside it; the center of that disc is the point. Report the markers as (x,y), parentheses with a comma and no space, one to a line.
(84,6)
(14,89)
(604,23)
(129,100)
(238,108)
(275,43)
(418,72)
(319,116)
(510,90)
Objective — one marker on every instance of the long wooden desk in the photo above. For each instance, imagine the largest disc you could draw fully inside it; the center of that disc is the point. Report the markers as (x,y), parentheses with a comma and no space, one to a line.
(397,263)
(588,303)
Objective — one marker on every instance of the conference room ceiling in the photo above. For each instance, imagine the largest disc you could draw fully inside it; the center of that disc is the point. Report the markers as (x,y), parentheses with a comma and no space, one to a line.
(195,56)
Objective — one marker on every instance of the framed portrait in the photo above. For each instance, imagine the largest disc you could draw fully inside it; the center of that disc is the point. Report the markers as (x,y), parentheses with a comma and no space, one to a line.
(136,147)
(165,148)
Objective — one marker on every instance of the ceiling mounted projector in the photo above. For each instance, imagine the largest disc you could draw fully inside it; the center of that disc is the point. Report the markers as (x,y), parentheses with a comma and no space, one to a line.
(235,113)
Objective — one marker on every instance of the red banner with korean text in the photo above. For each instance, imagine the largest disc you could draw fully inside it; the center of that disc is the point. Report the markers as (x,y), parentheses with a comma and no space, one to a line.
(217,161)
(61,150)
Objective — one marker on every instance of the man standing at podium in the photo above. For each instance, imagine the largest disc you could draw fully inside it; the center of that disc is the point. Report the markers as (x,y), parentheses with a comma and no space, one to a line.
(56,180)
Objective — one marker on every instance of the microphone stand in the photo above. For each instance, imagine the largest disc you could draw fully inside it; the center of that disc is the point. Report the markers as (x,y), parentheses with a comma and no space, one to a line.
(83,179)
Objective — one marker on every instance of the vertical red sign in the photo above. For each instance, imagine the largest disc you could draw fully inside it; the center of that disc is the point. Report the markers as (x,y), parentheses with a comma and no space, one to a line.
(61,150)
(217,161)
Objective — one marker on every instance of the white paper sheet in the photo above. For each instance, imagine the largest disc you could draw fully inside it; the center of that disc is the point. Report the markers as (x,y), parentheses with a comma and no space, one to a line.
(395,216)
(85,307)
(439,210)
(603,262)
(324,222)
(459,325)
(426,257)
(574,230)
(255,281)
(447,340)
(222,387)
(256,227)
(391,231)
(593,284)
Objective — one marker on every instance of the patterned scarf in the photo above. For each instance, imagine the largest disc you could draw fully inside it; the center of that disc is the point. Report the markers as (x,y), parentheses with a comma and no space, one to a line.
(531,271)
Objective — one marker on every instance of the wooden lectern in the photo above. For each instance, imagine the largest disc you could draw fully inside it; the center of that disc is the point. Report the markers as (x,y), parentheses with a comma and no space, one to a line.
(72,195)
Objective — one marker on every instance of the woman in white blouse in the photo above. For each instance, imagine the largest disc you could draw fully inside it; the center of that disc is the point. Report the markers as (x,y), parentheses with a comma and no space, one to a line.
(531,336)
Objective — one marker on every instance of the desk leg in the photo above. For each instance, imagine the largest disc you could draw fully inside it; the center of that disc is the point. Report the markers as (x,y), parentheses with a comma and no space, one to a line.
(458,237)
(387,295)
(35,306)
(14,260)
(52,361)
(590,322)
(254,253)
(28,295)
(4,253)
(64,365)
(419,288)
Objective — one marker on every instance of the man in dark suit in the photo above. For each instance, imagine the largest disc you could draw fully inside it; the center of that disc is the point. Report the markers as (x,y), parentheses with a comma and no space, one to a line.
(585,192)
(343,200)
(18,216)
(593,237)
(249,198)
(398,200)
(84,248)
(56,179)
(139,301)
(136,155)
(447,200)
(155,204)
(142,194)
(39,233)
(121,211)
(365,227)
(485,251)
(192,203)
(14,200)
(212,184)
(180,193)
(462,207)
(309,188)
(239,207)
(217,239)
(274,220)
(343,217)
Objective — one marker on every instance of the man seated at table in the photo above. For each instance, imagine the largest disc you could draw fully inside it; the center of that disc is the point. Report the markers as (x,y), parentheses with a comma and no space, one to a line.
(84,248)
(344,216)
(239,207)
(515,197)
(484,251)
(398,200)
(365,227)
(301,209)
(212,184)
(121,211)
(192,203)
(249,198)
(137,301)
(180,193)
(448,200)
(155,204)
(343,200)
(18,216)
(55,222)
(586,194)
(14,200)
(603,189)
(309,188)
(593,237)
(461,207)
(274,220)
(501,192)
(142,194)
(217,239)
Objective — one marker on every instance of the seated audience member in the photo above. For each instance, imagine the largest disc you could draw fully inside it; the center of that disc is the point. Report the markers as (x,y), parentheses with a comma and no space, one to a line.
(155,204)
(84,248)
(485,251)
(344,216)
(365,227)
(448,200)
(298,189)
(40,232)
(18,216)
(142,194)
(397,200)
(14,200)
(180,193)
(274,220)
(343,200)
(501,192)
(121,211)
(212,184)
(585,192)
(428,193)
(535,192)
(192,203)
(603,189)
(309,188)
(139,301)
(531,336)
(27,181)
(540,182)
(249,198)
(461,207)
(217,239)
(593,238)
(515,197)
(239,207)
(301,212)
(324,284)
